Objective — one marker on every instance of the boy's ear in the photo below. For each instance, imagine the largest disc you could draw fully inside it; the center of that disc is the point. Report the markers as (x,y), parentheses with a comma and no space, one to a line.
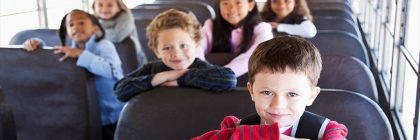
(251,6)
(249,86)
(314,94)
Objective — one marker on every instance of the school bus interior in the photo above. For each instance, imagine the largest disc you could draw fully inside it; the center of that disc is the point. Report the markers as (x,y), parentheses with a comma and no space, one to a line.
(364,82)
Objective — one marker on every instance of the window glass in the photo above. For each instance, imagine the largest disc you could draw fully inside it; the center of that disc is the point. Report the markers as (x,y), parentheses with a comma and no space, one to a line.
(377,53)
(391,15)
(385,59)
(56,9)
(10,25)
(407,107)
(16,18)
(134,3)
(413,30)
(8,7)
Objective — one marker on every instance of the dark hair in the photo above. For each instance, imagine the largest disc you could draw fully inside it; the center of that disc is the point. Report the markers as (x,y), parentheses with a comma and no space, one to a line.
(62,32)
(222,30)
(300,11)
(295,52)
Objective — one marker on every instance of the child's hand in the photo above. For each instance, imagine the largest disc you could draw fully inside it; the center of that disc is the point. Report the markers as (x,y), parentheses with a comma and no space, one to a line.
(274,25)
(31,45)
(173,83)
(68,52)
(167,76)
(284,137)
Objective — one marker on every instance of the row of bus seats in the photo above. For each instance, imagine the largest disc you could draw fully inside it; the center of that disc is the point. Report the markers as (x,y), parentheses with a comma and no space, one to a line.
(340,26)
(50,100)
(345,67)
(348,88)
(343,29)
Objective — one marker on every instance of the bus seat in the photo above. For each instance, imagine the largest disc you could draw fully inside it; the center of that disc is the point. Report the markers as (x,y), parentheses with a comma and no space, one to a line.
(141,26)
(347,73)
(151,11)
(49,99)
(209,2)
(49,36)
(329,1)
(222,59)
(183,113)
(330,5)
(7,122)
(201,10)
(364,119)
(179,113)
(127,54)
(331,42)
(336,23)
(334,13)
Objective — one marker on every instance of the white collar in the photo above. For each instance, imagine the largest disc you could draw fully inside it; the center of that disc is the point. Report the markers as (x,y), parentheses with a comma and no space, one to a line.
(283,129)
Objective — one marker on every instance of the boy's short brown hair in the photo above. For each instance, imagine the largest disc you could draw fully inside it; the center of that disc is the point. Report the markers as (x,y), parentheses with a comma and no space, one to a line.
(173,19)
(277,53)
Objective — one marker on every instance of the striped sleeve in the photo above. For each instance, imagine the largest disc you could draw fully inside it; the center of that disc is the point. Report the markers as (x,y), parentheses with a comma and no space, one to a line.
(229,130)
(134,83)
(213,78)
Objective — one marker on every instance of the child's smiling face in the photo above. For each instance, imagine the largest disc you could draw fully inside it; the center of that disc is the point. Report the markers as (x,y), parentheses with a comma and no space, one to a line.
(282,8)
(234,11)
(106,9)
(175,48)
(281,97)
(79,26)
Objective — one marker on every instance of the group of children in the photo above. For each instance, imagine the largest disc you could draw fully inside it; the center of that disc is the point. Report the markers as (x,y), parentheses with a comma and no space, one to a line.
(280,84)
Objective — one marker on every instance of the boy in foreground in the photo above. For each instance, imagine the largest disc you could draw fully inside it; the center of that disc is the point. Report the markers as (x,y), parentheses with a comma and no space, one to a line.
(283,74)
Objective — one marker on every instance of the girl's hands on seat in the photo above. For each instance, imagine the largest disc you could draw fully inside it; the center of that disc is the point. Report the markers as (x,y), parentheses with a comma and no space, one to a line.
(31,45)
(68,52)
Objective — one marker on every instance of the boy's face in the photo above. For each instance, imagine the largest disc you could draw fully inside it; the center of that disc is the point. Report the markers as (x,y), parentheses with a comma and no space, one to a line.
(106,9)
(281,97)
(175,48)
(79,26)
(234,11)
(282,8)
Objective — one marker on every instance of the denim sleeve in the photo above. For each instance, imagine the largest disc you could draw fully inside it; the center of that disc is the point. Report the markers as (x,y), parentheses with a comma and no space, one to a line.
(102,61)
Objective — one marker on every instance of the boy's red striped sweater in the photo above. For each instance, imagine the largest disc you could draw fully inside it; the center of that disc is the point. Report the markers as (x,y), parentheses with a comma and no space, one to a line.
(230,130)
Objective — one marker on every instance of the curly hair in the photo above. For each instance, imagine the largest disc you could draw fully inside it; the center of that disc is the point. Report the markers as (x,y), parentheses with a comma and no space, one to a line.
(170,19)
